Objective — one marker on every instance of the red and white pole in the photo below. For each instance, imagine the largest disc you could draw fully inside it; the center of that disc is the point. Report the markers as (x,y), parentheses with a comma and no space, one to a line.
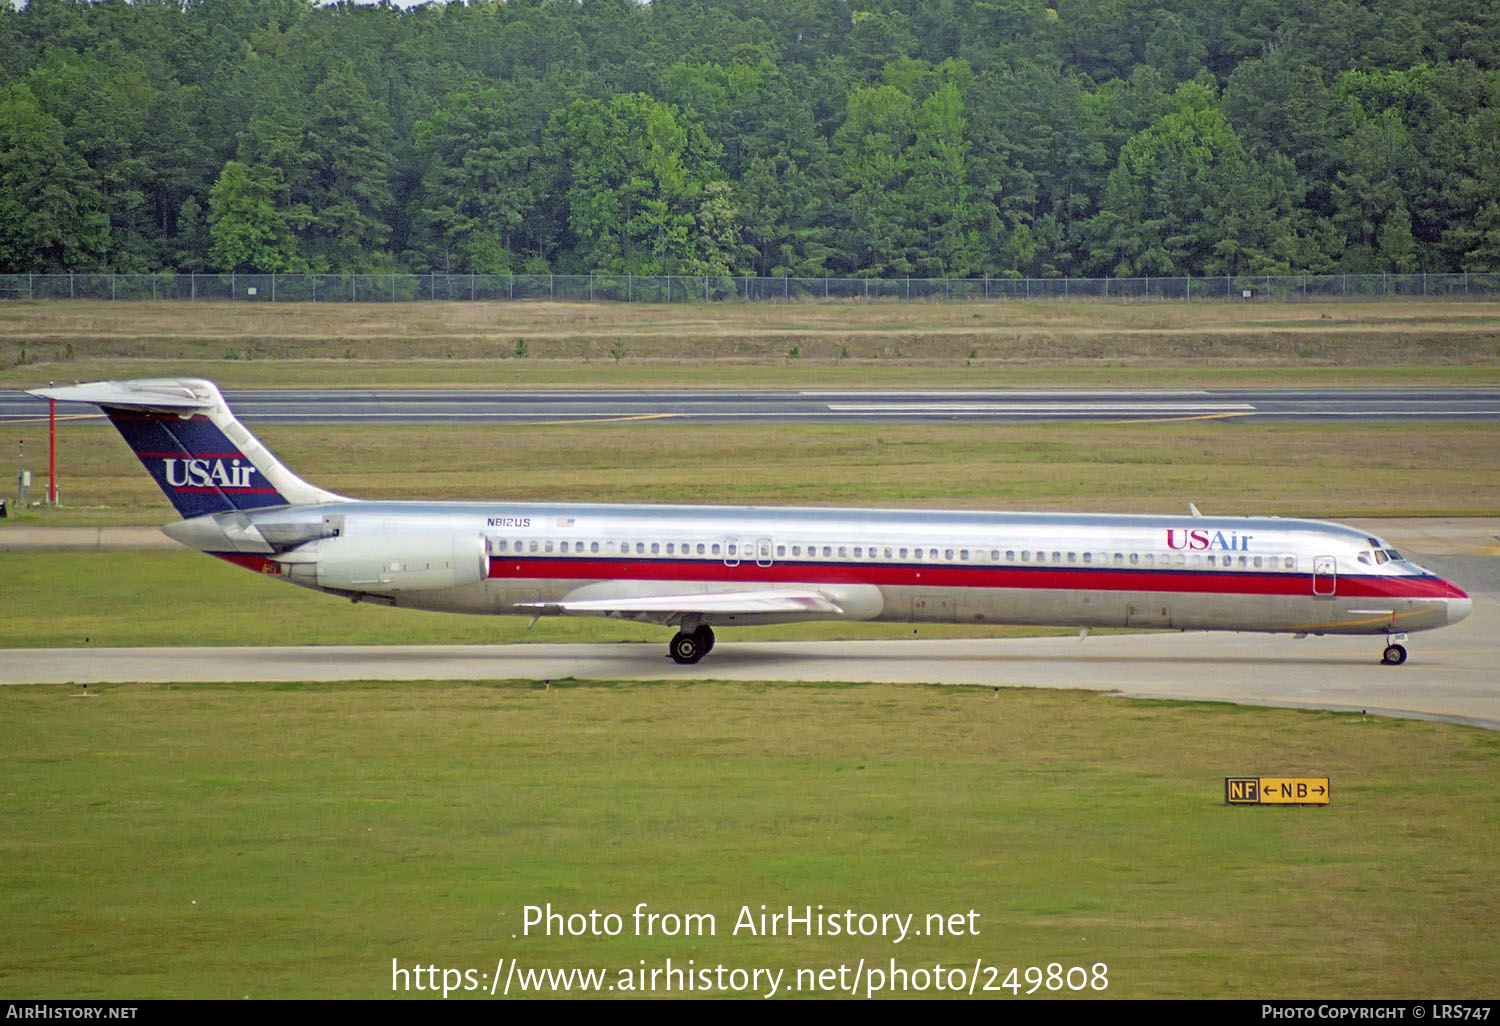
(52,452)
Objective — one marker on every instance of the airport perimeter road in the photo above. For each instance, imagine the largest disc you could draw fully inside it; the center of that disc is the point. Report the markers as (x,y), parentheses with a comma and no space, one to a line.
(752,406)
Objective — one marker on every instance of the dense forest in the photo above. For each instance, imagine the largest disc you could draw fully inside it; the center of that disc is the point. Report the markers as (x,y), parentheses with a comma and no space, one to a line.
(765,137)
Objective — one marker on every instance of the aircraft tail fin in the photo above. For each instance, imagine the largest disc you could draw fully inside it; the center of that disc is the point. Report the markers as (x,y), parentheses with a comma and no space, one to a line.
(184,434)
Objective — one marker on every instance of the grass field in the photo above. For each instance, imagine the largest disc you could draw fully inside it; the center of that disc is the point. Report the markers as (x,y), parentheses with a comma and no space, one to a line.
(290,841)
(788,345)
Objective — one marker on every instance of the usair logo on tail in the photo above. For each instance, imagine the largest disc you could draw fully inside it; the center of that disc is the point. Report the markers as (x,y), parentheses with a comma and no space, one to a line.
(208,473)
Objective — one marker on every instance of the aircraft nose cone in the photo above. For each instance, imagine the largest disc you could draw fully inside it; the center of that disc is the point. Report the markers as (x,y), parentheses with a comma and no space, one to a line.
(1458,608)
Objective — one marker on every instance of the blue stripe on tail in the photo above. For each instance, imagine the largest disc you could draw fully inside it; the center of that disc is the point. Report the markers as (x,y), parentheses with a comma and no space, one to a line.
(198,468)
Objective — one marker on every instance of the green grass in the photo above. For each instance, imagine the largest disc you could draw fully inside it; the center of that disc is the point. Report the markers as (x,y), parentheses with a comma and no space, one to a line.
(289,841)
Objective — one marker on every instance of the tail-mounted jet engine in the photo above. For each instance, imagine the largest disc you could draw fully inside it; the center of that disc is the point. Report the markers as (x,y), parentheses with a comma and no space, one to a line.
(382,564)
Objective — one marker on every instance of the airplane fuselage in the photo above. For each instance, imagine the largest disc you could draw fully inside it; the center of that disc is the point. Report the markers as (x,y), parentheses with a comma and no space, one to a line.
(1075,570)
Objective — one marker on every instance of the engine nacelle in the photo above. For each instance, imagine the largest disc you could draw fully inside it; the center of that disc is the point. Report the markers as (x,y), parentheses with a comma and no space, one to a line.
(384,563)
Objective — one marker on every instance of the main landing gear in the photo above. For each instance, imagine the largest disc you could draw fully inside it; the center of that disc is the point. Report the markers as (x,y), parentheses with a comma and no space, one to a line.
(688,647)
(1395,652)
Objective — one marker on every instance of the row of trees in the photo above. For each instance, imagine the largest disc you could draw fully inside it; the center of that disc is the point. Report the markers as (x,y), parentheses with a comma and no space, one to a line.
(765,137)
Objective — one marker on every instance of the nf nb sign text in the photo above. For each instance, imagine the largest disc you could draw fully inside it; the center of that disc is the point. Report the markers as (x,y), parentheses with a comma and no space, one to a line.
(1276,791)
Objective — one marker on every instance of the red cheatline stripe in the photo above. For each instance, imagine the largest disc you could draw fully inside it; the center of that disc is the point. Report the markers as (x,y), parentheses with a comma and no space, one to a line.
(1187,582)
(1182,581)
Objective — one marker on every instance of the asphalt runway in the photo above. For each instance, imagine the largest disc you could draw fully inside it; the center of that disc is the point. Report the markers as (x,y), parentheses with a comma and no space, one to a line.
(1452,674)
(422,406)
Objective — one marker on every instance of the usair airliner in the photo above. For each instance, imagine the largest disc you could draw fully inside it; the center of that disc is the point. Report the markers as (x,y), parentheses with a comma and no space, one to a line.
(694,568)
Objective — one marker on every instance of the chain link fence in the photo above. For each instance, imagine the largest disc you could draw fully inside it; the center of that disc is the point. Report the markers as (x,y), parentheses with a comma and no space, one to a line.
(396,288)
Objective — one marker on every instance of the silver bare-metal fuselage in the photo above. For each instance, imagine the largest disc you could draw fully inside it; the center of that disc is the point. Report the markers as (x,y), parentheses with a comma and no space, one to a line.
(1075,570)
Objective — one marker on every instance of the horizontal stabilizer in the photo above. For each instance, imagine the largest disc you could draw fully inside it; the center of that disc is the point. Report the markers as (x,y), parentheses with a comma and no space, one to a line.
(152,396)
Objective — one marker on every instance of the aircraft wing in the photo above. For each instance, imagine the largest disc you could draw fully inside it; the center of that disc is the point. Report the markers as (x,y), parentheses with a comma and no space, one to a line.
(769,600)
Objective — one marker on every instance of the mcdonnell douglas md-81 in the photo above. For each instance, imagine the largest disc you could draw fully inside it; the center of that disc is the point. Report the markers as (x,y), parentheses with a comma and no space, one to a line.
(700,567)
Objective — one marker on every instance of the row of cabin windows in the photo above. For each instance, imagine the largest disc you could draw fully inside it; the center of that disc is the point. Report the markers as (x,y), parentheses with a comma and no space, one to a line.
(1243,561)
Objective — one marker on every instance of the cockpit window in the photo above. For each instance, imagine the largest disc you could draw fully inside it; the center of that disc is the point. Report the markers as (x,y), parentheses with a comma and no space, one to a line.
(1380,556)
(1393,554)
